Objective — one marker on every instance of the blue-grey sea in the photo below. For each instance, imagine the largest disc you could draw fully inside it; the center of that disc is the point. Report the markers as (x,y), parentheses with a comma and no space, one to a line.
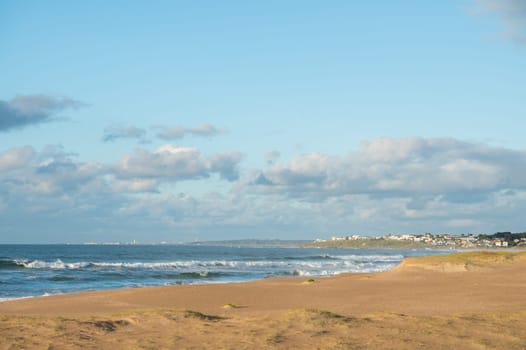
(37,270)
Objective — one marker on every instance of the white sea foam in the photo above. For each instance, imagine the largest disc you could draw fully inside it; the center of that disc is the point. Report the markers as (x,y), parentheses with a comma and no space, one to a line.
(372,258)
(334,265)
(28,297)
(15,298)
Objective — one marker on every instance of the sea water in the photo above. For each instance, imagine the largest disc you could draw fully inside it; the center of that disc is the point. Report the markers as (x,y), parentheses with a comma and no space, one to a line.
(36,270)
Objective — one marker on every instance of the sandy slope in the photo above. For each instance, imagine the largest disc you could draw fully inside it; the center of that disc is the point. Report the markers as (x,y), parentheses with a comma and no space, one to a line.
(469,301)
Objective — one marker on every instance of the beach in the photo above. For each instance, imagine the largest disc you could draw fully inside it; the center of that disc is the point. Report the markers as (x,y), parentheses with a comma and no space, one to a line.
(464,301)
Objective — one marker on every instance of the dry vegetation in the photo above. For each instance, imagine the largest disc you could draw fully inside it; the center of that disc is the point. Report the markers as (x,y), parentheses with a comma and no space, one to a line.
(304,328)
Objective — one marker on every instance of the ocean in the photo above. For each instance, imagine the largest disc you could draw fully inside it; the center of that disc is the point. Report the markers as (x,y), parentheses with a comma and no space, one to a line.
(39,270)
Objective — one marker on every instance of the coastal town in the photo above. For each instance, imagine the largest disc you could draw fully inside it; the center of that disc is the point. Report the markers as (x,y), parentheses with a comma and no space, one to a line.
(448,241)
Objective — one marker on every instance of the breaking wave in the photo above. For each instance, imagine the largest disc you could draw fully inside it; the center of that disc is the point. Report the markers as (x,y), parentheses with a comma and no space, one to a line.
(358,262)
(36,270)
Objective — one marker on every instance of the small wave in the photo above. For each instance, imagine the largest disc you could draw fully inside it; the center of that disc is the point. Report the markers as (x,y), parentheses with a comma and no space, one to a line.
(200,274)
(307,273)
(372,258)
(162,265)
(62,278)
(312,257)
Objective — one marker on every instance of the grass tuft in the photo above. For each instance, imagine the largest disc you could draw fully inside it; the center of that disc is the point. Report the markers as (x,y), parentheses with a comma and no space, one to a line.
(201,316)
(329,315)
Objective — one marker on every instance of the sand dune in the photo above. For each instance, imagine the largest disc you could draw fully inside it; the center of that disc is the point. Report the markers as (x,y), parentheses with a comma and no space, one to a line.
(464,301)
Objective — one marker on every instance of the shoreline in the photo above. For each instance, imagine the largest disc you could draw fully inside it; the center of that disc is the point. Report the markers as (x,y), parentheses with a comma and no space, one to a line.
(408,271)
(465,299)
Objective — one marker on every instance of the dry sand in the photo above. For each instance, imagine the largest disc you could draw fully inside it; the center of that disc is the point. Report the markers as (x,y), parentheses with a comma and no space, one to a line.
(463,301)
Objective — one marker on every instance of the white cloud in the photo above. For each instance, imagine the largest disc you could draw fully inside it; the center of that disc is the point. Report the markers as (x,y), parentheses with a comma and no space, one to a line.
(171,162)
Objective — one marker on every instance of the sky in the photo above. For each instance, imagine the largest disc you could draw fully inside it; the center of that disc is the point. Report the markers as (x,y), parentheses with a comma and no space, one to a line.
(179,121)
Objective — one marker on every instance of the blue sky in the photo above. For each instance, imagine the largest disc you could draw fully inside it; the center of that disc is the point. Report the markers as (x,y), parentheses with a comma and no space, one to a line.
(175,121)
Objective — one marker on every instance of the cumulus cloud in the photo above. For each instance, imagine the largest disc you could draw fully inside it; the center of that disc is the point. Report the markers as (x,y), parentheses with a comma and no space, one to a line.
(24,110)
(512,13)
(115,132)
(60,192)
(54,172)
(178,132)
(30,175)
(398,167)
(171,162)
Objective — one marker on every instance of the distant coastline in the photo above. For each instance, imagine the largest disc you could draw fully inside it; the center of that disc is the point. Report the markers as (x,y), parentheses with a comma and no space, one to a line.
(447,241)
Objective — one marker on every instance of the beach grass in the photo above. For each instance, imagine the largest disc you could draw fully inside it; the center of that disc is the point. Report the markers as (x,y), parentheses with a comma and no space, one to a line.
(202,316)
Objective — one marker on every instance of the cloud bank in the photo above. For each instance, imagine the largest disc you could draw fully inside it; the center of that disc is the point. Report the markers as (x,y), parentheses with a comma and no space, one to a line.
(387,185)
(24,110)
(398,167)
